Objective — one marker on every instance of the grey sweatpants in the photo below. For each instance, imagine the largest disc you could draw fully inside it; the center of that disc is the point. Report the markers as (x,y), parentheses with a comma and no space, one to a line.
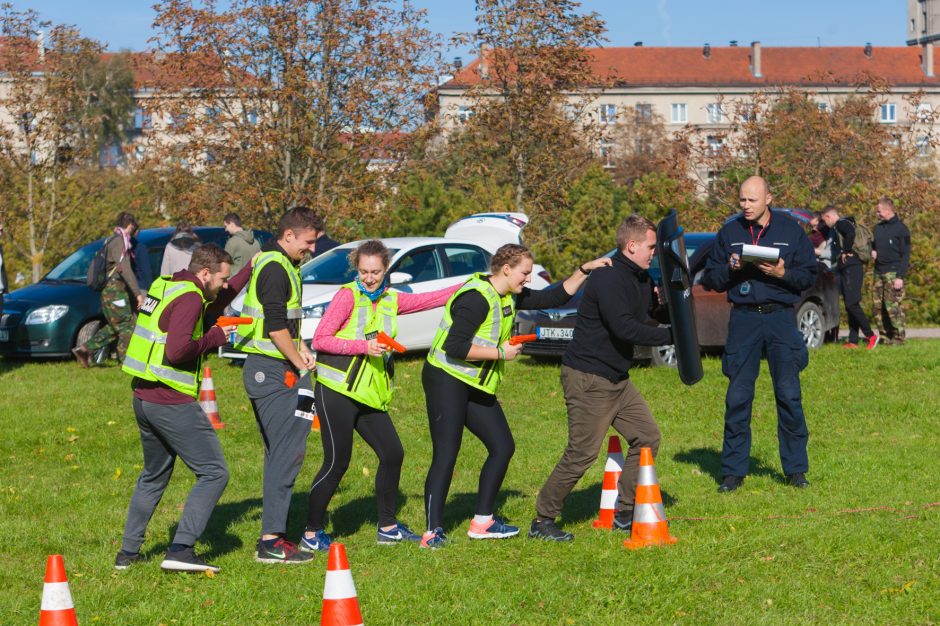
(166,432)
(595,404)
(283,432)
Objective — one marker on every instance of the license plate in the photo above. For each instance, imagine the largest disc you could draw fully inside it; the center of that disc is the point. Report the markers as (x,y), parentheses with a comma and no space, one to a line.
(4,335)
(556,333)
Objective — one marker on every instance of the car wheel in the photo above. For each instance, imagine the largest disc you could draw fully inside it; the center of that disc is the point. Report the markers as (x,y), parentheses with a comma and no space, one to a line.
(810,321)
(86,332)
(663,356)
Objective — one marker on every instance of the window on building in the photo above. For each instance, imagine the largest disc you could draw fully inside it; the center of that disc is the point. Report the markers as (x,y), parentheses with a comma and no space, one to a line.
(678,113)
(714,145)
(142,119)
(643,146)
(644,113)
(888,113)
(605,150)
(924,112)
(923,146)
(608,113)
(464,113)
(748,112)
(571,111)
(823,107)
(714,114)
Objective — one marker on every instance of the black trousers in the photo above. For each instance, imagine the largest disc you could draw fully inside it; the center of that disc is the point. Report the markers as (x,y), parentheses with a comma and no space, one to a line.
(339,416)
(453,405)
(851,278)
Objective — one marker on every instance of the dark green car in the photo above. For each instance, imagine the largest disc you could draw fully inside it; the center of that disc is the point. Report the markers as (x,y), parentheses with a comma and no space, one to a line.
(52,316)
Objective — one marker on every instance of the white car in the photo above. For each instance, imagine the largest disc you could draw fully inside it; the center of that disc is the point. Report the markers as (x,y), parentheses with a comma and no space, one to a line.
(418,265)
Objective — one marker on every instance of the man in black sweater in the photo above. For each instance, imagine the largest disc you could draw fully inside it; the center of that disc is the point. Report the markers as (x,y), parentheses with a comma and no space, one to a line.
(851,276)
(613,317)
(891,250)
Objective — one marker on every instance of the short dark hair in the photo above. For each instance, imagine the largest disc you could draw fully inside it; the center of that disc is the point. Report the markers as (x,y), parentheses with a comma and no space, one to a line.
(300,218)
(209,256)
(373,247)
(633,228)
(232,218)
(829,208)
(510,254)
(888,202)
(125,220)
(183,226)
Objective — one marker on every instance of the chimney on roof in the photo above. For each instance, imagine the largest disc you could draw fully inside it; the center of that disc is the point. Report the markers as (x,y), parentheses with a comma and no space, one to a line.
(927,58)
(868,50)
(41,45)
(458,63)
(733,43)
(637,44)
(707,51)
(484,68)
(755,60)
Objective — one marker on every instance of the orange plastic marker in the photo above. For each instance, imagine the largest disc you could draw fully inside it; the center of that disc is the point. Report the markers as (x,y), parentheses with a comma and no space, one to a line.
(385,340)
(225,320)
(515,341)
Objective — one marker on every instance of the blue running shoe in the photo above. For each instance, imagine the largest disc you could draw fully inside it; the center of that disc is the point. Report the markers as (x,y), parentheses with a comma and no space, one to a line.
(434,539)
(320,542)
(496,529)
(397,535)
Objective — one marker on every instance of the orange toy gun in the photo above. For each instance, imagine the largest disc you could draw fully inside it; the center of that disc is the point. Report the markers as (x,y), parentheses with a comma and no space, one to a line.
(226,320)
(387,341)
(515,341)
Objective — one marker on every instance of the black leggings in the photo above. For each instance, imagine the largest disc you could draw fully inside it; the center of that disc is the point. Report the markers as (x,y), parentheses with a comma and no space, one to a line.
(339,416)
(851,278)
(452,405)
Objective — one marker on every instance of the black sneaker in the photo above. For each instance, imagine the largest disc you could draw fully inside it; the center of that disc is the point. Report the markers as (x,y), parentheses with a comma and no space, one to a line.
(623,520)
(185,560)
(797,480)
(123,560)
(730,483)
(547,530)
(280,550)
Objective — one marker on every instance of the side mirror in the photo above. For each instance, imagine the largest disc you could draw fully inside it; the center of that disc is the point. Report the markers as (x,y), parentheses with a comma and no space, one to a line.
(400,278)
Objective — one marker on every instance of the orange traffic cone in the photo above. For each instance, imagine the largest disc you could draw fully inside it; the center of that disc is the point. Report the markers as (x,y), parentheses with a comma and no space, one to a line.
(57,608)
(340,604)
(612,471)
(207,399)
(315,424)
(649,517)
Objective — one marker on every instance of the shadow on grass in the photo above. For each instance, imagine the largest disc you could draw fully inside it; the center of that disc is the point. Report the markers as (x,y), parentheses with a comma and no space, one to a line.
(709,461)
(584,504)
(217,536)
(10,363)
(461,507)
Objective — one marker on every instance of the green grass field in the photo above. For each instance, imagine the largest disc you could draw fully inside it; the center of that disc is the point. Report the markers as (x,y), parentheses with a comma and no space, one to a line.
(858,547)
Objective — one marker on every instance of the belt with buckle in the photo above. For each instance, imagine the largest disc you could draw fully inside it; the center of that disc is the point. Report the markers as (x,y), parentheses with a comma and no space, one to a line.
(772,307)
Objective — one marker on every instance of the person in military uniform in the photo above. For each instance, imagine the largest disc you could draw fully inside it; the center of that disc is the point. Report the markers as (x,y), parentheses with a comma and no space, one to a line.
(354,389)
(165,359)
(762,324)
(120,296)
(891,251)
(464,368)
(277,374)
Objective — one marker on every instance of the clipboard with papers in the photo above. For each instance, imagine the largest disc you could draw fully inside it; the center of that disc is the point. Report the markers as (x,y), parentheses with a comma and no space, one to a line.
(759,254)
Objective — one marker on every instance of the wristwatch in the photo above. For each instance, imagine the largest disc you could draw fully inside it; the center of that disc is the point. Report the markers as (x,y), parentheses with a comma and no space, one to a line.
(584,271)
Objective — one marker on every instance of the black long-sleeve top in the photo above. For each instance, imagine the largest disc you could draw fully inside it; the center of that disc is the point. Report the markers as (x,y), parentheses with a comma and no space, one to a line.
(470,309)
(892,241)
(845,242)
(612,318)
(799,261)
(274,290)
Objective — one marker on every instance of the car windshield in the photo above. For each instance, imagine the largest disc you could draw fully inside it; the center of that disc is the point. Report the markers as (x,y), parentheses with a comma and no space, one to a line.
(654,271)
(331,267)
(75,266)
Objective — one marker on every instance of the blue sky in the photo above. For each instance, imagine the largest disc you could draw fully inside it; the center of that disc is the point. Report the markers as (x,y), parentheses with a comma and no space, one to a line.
(126,23)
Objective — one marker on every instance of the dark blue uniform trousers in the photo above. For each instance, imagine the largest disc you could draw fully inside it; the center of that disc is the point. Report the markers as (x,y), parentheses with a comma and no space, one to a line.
(774,336)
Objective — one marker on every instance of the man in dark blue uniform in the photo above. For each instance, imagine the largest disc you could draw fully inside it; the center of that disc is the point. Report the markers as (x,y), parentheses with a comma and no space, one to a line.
(762,324)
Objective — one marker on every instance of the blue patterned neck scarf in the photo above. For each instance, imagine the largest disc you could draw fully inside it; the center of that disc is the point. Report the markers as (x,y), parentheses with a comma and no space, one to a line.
(372,295)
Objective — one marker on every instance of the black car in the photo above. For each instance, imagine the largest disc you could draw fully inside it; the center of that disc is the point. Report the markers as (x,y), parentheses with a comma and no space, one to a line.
(52,316)
(817,312)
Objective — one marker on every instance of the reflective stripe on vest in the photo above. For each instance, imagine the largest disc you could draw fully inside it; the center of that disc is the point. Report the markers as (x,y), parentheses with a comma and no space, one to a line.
(253,338)
(362,377)
(146,352)
(495,329)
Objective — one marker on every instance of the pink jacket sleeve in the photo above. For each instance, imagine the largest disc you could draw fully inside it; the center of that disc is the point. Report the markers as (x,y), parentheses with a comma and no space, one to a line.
(334,318)
(416,302)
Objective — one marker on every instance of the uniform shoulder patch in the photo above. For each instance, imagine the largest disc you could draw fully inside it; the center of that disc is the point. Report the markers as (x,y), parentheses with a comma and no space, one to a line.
(150,305)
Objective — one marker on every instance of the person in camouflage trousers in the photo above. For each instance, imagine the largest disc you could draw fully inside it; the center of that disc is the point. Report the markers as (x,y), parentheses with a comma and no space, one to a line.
(891,251)
(120,297)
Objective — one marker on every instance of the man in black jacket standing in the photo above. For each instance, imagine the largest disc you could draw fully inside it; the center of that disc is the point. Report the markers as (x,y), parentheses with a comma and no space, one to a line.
(891,250)
(851,276)
(763,323)
(613,317)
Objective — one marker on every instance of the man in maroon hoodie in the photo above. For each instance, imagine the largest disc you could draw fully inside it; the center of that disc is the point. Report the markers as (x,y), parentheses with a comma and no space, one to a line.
(165,358)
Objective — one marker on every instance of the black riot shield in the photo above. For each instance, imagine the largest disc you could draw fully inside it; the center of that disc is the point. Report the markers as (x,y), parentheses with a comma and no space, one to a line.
(677,290)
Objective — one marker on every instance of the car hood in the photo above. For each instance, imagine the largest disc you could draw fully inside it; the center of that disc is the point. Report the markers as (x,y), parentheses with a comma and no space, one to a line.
(312,294)
(43,293)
